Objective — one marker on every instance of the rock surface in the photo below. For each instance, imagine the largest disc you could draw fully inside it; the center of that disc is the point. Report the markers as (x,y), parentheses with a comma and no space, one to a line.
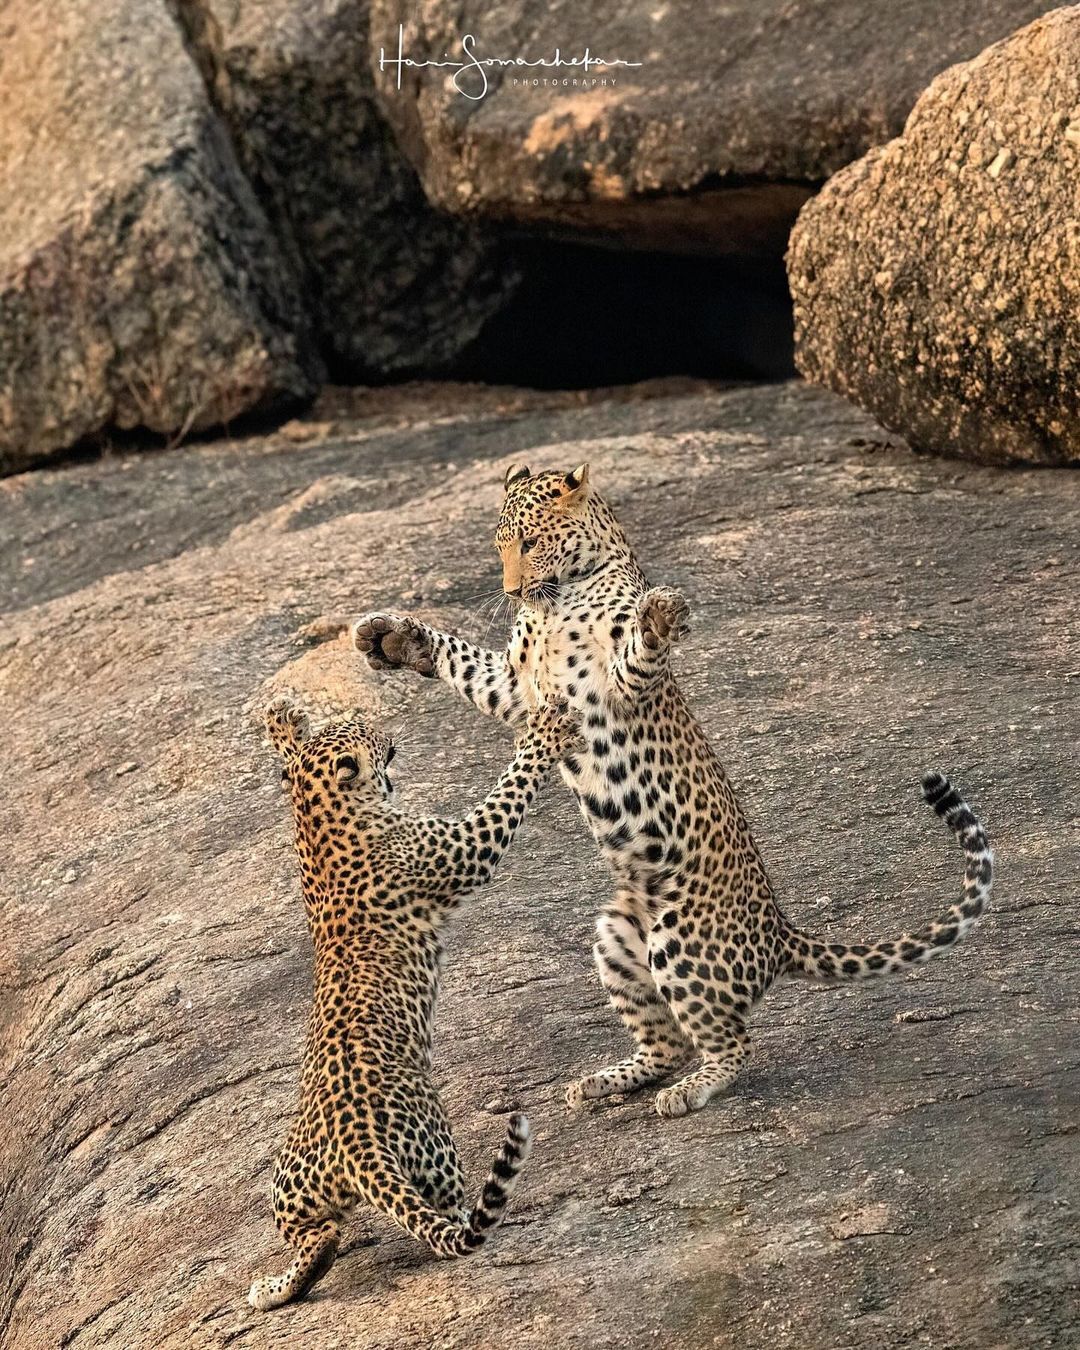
(140,282)
(896,1168)
(392,285)
(937,281)
(710,144)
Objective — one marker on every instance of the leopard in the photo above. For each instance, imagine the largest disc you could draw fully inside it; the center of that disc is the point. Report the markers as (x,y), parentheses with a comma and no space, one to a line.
(378,886)
(693,935)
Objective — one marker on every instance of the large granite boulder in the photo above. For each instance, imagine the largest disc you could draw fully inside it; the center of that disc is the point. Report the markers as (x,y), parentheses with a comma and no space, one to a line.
(937,281)
(896,1167)
(392,285)
(140,282)
(733,116)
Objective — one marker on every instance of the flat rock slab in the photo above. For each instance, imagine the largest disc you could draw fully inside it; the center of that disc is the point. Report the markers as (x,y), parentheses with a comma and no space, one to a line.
(897,1166)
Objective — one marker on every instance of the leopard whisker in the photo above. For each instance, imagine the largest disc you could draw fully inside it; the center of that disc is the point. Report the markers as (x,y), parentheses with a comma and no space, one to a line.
(488,600)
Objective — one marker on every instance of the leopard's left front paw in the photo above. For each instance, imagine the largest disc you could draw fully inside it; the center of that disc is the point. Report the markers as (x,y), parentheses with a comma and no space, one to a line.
(663,616)
(556,730)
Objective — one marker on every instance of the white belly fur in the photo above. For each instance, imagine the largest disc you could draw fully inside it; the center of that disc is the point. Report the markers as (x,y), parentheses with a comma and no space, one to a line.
(548,676)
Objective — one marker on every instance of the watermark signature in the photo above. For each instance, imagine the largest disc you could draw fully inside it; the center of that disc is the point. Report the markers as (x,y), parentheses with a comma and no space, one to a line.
(471,74)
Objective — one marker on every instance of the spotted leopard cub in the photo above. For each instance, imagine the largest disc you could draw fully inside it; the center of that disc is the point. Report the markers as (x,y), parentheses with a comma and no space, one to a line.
(378,887)
(693,935)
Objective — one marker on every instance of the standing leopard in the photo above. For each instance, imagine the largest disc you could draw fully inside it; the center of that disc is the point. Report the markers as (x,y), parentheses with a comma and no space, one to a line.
(693,936)
(378,887)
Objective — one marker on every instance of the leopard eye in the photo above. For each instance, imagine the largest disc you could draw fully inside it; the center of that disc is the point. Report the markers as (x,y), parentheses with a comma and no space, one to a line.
(527,545)
(391,753)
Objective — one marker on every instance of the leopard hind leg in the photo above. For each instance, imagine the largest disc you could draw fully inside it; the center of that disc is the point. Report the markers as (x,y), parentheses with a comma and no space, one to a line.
(397,1195)
(316,1245)
(432,1162)
(310,1200)
(310,1226)
(709,977)
(621,956)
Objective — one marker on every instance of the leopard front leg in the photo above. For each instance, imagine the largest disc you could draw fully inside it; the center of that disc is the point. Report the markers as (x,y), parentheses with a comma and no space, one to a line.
(478,842)
(485,678)
(661,620)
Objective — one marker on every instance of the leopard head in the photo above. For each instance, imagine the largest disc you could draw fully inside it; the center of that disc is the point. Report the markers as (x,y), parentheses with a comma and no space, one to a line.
(554,529)
(338,768)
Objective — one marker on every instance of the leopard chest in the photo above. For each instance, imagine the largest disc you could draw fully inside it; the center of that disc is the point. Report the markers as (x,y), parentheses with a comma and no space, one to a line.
(625,778)
(562,659)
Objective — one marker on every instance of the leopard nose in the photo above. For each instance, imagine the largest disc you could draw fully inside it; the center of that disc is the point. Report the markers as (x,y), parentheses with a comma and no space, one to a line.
(516,592)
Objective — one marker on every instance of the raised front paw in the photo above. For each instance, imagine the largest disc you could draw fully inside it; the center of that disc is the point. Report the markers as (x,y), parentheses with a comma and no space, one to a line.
(555,729)
(394,642)
(286,725)
(663,616)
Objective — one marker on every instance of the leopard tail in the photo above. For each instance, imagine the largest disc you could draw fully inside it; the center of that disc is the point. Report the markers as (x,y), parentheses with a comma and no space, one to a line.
(448,1238)
(490,1207)
(813,958)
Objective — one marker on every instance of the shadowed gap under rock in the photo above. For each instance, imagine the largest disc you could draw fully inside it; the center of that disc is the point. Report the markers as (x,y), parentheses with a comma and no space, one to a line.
(587,316)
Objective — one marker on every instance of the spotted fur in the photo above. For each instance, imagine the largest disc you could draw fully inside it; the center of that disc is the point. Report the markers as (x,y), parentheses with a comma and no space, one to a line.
(693,936)
(378,888)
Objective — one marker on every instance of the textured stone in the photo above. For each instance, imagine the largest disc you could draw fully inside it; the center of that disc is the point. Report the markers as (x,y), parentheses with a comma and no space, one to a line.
(868,1181)
(735,114)
(937,281)
(393,286)
(140,284)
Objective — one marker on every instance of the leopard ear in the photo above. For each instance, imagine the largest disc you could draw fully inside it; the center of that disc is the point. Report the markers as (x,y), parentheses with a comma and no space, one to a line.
(287,727)
(514,474)
(574,487)
(346,768)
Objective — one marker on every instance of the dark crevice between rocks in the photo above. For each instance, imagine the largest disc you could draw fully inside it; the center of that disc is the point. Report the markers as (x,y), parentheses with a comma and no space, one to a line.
(586,316)
(202,37)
